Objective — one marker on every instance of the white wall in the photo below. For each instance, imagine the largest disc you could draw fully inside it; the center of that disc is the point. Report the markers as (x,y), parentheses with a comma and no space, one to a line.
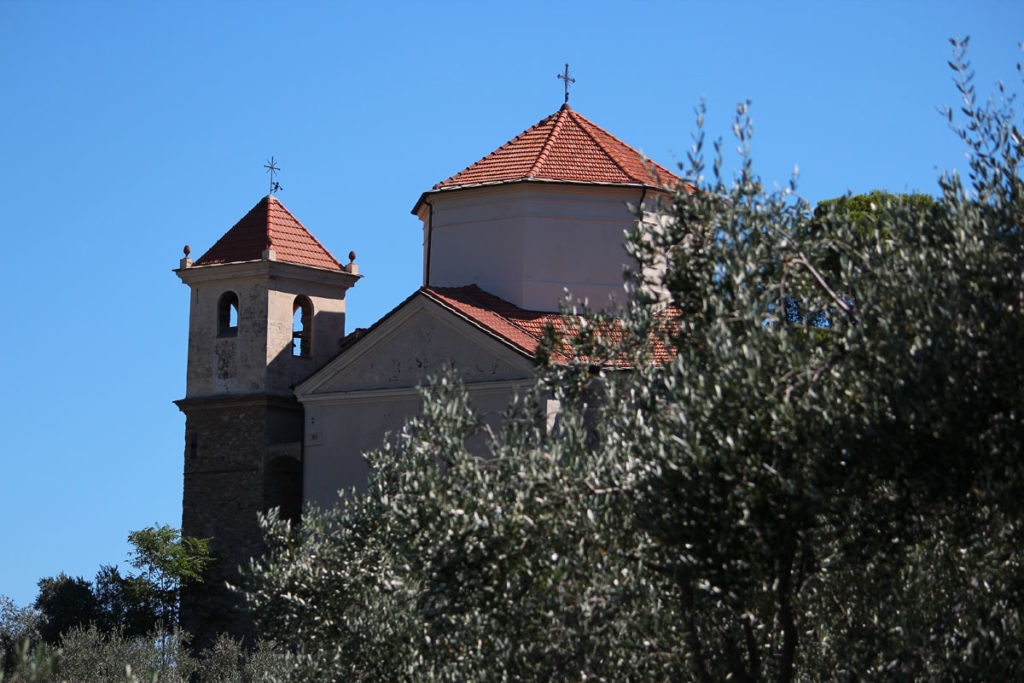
(371,389)
(527,242)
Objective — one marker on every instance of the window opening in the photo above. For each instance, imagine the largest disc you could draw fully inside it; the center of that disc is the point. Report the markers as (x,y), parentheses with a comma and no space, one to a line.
(302,327)
(227,315)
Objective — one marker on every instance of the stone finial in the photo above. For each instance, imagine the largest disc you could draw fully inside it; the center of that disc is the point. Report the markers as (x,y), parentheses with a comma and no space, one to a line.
(352,268)
(269,255)
(186,262)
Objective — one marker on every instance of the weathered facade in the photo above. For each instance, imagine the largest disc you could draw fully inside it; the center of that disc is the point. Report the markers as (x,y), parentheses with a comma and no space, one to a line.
(371,387)
(280,405)
(243,425)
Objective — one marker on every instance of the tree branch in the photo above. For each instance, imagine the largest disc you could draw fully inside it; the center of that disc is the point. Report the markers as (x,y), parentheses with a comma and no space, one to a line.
(789,631)
(738,672)
(699,662)
(752,656)
(801,259)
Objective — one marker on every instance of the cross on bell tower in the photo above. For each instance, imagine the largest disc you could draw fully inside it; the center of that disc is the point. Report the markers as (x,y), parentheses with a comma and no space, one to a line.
(272,169)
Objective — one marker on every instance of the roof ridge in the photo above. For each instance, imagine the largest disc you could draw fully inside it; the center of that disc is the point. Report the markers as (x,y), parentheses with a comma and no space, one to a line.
(613,157)
(505,317)
(546,147)
(482,309)
(442,299)
(473,293)
(550,151)
(313,237)
(269,241)
(269,226)
(503,146)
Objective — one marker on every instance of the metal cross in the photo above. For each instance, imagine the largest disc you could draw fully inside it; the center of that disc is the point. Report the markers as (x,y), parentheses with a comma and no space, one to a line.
(272,168)
(567,81)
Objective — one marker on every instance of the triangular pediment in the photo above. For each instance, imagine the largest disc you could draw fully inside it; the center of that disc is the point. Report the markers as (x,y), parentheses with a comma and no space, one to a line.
(413,343)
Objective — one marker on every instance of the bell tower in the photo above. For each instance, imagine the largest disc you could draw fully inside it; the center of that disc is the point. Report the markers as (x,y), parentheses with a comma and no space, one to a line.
(267,309)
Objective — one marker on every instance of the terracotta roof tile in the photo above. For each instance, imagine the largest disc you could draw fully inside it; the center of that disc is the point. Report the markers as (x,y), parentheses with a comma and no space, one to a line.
(521,328)
(566,147)
(269,225)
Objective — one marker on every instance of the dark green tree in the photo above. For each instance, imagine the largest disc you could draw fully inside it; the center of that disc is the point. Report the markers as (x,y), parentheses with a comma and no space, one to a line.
(126,603)
(869,212)
(65,602)
(131,605)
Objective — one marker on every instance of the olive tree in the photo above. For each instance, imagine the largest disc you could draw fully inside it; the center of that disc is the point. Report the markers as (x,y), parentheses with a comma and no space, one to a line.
(823,479)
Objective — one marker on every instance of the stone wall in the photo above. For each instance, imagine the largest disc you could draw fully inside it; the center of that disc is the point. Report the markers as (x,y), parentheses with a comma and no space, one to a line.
(242,456)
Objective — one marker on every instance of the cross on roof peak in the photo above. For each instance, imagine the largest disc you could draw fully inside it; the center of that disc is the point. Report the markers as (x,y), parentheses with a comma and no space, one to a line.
(272,169)
(565,77)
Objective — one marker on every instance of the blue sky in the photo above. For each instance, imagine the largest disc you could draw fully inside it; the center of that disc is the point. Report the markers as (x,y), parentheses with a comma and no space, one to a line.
(131,129)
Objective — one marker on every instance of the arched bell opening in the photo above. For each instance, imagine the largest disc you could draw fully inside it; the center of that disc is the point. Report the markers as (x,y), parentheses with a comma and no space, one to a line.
(227,315)
(302,327)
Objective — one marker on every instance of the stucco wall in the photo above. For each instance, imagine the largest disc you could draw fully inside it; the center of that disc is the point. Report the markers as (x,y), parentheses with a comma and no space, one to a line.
(371,389)
(340,430)
(528,242)
(258,358)
(417,344)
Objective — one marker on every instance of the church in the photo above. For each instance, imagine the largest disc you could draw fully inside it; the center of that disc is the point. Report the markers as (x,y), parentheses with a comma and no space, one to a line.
(281,403)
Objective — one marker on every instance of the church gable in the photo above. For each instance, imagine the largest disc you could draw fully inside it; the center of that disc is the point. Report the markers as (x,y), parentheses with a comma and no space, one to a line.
(412,344)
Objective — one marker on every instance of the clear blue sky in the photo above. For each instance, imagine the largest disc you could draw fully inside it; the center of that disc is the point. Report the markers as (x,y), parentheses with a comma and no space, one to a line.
(130,129)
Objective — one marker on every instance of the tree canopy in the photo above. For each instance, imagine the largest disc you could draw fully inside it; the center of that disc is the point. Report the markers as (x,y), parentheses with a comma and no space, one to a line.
(826,482)
(129,606)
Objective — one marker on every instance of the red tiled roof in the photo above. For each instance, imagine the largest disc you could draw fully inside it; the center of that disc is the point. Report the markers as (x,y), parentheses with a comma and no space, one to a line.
(269,225)
(521,328)
(565,147)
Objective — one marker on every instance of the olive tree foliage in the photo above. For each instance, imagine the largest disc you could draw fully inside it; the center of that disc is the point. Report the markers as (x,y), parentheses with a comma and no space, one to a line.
(92,654)
(20,627)
(456,566)
(825,481)
(88,654)
(838,492)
